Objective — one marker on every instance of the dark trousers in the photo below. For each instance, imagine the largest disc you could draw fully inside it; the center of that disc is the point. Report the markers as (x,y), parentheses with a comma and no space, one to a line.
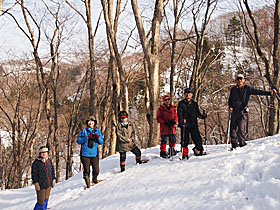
(90,161)
(197,140)
(136,151)
(237,130)
(172,138)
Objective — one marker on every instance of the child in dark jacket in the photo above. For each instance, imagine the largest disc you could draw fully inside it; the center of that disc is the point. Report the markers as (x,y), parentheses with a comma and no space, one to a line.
(89,139)
(43,177)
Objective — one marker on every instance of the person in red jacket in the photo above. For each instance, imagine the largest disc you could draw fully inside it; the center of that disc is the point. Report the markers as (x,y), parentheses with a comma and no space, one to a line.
(167,117)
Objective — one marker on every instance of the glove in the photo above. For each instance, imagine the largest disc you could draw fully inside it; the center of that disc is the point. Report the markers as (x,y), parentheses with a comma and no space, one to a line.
(172,122)
(53,182)
(37,187)
(96,136)
(89,136)
(167,123)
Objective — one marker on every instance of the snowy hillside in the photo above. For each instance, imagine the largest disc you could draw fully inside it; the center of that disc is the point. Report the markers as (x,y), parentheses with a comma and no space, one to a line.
(248,178)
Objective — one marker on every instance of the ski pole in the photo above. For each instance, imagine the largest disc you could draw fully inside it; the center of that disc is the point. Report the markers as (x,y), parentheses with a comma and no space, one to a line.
(277,95)
(205,130)
(170,144)
(182,140)
(229,121)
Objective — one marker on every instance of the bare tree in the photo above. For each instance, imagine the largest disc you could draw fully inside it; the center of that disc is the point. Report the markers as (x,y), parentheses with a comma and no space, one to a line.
(47,80)
(73,127)
(198,73)
(178,9)
(111,28)
(151,55)
(272,74)
(91,36)
(22,111)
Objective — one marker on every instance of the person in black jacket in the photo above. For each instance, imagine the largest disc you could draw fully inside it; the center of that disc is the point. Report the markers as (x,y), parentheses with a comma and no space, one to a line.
(188,112)
(238,105)
(43,178)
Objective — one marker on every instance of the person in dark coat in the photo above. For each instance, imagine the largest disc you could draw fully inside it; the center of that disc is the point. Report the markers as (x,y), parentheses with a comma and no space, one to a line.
(89,139)
(188,112)
(43,177)
(238,105)
(167,117)
(126,139)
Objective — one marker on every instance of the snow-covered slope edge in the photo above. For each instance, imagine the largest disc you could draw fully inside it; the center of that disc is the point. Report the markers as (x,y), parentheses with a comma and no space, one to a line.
(248,178)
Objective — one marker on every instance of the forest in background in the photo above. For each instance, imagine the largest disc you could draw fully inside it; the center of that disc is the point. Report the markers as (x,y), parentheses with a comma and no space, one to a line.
(147,48)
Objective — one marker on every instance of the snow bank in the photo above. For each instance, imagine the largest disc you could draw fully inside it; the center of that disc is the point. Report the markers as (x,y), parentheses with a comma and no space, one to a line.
(248,178)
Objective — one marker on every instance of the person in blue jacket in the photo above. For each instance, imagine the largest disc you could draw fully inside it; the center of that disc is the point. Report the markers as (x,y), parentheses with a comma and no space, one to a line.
(89,139)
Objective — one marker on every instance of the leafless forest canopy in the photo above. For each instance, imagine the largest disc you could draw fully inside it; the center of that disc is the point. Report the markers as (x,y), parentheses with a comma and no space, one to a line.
(99,57)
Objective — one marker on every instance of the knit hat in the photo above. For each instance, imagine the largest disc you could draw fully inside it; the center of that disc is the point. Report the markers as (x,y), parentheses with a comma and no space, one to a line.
(123,114)
(187,90)
(43,149)
(163,97)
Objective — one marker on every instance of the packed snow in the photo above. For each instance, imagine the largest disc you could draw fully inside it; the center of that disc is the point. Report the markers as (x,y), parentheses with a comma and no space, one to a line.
(247,178)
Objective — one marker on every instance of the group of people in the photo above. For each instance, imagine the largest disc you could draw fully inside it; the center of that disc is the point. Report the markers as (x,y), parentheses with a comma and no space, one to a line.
(186,115)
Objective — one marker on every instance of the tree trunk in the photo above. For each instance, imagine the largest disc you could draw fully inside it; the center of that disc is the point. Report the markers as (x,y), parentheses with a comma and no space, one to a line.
(274,112)
(111,29)
(1,165)
(92,76)
(151,54)
(115,106)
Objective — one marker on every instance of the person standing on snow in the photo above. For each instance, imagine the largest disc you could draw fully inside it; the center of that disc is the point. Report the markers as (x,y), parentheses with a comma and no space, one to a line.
(126,139)
(43,177)
(167,117)
(238,105)
(89,139)
(188,112)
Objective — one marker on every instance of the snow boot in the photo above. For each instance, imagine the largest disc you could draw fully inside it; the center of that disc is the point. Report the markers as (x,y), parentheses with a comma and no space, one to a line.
(185,153)
(138,160)
(233,148)
(172,152)
(185,157)
(39,207)
(243,145)
(97,181)
(122,164)
(45,205)
(163,154)
(197,152)
(87,180)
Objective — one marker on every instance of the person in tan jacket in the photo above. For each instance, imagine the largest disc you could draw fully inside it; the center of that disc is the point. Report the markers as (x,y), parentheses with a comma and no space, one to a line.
(126,139)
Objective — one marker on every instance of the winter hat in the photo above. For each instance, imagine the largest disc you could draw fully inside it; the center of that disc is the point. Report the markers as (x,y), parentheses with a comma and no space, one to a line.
(123,114)
(187,90)
(91,118)
(163,97)
(239,76)
(43,149)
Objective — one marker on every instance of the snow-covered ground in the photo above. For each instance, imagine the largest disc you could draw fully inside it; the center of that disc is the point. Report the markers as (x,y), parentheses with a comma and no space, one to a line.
(5,138)
(248,178)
